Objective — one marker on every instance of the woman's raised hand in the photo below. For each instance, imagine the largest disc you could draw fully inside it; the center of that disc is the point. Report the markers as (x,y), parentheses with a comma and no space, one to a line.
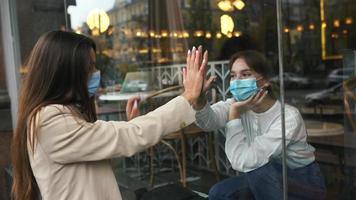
(132,107)
(194,74)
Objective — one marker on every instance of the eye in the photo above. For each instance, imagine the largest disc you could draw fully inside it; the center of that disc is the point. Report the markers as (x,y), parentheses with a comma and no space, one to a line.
(246,75)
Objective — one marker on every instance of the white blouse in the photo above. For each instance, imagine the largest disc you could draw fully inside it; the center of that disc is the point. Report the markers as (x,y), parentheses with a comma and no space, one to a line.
(256,138)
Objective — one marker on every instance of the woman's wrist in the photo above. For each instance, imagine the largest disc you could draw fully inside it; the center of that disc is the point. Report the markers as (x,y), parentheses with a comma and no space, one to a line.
(197,103)
(192,100)
(234,113)
(200,103)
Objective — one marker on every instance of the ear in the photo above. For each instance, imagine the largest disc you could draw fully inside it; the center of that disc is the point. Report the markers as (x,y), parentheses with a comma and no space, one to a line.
(264,83)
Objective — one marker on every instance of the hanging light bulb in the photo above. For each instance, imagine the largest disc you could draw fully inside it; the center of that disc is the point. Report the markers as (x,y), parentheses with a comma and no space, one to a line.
(98,19)
(336,23)
(311,26)
(348,20)
(239,4)
(208,35)
(225,5)
(198,33)
(237,33)
(226,24)
(164,33)
(300,28)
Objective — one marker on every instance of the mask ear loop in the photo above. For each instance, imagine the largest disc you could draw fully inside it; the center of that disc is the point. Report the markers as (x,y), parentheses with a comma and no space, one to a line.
(263,87)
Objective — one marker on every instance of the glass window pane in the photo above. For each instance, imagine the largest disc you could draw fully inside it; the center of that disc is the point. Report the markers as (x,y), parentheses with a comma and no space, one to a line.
(141,50)
(5,106)
(319,54)
(5,118)
(142,47)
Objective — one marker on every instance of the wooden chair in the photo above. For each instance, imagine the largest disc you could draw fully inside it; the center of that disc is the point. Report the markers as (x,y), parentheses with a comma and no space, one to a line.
(185,133)
(350,100)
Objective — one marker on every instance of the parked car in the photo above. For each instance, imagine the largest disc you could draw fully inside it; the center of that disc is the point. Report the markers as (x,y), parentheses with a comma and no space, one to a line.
(332,95)
(292,80)
(338,75)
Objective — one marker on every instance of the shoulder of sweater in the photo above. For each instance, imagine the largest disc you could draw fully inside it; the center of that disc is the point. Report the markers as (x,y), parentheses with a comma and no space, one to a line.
(291,110)
(55,108)
(292,116)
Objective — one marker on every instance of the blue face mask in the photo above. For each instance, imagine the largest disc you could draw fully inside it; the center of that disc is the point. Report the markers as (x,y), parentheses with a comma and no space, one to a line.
(242,89)
(93,83)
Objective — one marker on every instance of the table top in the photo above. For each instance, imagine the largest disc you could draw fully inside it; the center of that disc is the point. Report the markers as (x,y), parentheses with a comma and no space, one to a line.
(347,140)
(117,96)
(322,128)
(323,110)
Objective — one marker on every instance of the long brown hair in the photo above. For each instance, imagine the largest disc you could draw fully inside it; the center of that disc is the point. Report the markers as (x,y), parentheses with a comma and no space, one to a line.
(59,67)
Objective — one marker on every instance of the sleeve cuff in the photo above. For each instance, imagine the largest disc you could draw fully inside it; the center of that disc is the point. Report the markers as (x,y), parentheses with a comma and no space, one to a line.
(203,110)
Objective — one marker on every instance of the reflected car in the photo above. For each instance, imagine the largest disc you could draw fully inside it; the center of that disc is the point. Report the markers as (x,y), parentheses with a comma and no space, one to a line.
(142,81)
(332,95)
(292,80)
(137,85)
(338,75)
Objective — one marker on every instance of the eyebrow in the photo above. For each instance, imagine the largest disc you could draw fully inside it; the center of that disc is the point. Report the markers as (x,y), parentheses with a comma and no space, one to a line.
(244,70)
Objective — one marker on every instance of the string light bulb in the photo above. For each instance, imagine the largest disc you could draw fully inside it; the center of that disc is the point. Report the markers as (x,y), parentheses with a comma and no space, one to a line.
(226,24)
(239,4)
(225,5)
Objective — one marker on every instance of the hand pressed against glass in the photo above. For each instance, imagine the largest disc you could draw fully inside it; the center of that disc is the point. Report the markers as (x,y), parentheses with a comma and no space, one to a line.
(194,74)
(132,107)
(193,81)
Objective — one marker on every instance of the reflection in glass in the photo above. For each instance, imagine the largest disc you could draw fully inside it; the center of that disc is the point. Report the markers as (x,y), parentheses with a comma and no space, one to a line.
(319,43)
(319,46)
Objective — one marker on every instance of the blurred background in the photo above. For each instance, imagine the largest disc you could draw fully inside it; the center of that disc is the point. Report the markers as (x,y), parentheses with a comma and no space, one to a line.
(141,49)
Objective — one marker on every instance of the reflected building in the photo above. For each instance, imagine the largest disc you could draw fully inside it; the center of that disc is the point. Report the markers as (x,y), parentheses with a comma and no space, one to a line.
(317,32)
(156,32)
(36,17)
(129,19)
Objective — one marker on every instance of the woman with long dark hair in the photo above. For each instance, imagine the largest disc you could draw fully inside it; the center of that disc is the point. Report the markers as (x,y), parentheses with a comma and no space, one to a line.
(59,149)
(252,120)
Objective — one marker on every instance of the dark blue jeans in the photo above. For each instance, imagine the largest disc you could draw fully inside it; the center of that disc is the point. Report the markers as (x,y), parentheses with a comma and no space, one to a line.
(266,183)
